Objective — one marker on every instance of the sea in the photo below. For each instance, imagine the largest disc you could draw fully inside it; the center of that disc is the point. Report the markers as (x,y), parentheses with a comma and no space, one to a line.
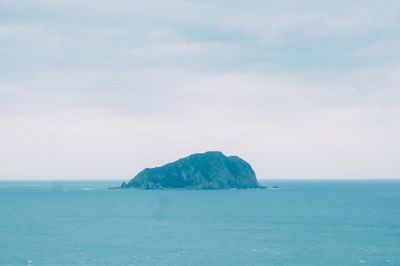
(301,223)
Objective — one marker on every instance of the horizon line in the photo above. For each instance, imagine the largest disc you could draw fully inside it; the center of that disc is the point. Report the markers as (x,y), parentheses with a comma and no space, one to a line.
(258,179)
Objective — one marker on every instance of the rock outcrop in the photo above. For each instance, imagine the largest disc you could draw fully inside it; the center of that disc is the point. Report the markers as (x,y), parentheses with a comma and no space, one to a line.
(210,170)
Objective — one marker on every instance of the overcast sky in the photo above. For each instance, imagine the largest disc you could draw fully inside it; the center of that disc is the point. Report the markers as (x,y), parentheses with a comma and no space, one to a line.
(101,89)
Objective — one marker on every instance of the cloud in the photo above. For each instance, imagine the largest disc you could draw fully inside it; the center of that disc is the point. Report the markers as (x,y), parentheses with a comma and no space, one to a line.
(272,121)
(96,90)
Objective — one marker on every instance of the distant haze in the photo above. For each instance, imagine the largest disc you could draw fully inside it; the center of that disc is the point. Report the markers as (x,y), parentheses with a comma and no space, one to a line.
(102,89)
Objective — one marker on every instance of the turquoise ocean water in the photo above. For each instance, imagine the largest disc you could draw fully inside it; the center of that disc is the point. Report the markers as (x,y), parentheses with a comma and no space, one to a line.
(302,223)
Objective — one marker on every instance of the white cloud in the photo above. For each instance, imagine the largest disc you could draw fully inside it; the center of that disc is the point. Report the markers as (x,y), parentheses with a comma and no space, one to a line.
(98,89)
(271,121)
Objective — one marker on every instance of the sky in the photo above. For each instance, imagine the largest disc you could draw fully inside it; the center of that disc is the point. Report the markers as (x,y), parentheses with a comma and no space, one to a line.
(102,89)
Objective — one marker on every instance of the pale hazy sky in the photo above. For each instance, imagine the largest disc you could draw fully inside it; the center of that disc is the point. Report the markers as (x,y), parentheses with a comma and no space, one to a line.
(101,89)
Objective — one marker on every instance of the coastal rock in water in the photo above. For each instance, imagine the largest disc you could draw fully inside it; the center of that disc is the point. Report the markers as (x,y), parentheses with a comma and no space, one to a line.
(210,170)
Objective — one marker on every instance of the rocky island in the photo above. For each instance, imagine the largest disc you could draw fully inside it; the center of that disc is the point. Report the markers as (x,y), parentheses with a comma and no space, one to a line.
(210,170)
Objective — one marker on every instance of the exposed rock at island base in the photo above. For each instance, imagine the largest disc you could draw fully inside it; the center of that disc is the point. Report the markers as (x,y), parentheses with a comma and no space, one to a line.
(210,170)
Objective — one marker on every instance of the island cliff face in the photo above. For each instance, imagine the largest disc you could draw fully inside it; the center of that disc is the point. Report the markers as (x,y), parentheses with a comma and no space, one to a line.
(210,170)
